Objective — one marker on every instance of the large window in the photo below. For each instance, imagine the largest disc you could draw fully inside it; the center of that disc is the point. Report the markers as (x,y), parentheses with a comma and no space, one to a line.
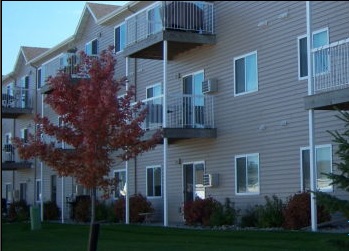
(91,48)
(247,174)
(38,190)
(23,191)
(120,37)
(24,135)
(320,58)
(154,181)
(246,76)
(154,20)
(323,165)
(154,104)
(120,188)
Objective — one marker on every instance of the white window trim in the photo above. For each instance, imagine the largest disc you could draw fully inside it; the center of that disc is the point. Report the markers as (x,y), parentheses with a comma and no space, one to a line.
(192,74)
(119,25)
(114,172)
(90,42)
(301,164)
(146,182)
(259,181)
(312,38)
(152,86)
(257,87)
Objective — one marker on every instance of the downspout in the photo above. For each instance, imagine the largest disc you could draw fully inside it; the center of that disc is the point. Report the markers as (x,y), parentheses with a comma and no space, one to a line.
(164,125)
(313,178)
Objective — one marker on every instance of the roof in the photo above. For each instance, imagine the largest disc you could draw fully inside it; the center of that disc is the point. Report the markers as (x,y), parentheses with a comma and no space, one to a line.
(32,52)
(100,10)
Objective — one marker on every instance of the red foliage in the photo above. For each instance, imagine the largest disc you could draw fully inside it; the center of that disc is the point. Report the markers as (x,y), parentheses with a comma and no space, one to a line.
(200,211)
(96,123)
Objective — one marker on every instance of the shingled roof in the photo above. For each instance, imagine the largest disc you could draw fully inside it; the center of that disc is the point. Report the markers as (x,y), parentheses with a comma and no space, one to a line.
(31,52)
(101,10)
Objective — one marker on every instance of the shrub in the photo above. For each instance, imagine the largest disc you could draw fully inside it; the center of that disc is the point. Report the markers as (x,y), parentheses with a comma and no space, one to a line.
(18,211)
(82,208)
(138,204)
(51,211)
(297,212)
(271,214)
(224,215)
(200,211)
(250,218)
(105,212)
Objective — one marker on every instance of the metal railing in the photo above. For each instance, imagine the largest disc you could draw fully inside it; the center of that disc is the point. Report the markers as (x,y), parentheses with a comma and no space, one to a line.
(17,97)
(194,16)
(331,66)
(183,111)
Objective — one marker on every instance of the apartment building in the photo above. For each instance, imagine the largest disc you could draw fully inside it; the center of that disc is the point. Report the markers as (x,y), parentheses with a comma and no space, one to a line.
(228,84)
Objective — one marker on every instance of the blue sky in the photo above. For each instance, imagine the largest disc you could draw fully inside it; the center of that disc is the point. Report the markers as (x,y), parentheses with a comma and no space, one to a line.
(38,24)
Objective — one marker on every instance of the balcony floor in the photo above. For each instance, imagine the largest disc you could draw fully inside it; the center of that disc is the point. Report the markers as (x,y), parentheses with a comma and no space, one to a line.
(12,166)
(178,42)
(12,113)
(332,100)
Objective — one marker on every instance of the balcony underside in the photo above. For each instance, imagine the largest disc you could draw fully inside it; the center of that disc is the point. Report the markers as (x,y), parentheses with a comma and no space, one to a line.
(174,134)
(178,42)
(12,166)
(332,100)
(12,113)
(46,89)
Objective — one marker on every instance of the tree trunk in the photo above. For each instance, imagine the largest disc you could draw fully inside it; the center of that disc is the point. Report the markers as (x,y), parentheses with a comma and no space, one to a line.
(94,227)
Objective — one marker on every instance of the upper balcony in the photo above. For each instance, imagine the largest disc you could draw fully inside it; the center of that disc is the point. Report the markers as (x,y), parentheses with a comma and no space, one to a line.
(184,24)
(16,101)
(10,160)
(330,77)
(69,63)
(188,116)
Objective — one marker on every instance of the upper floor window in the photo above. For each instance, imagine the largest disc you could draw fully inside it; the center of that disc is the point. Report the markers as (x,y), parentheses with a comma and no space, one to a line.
(154,91)
(320,58)
(323,165)
(154,20)
(247,174)
(91,48)
(120,37)
(246,76)
(24,135)
(39,81)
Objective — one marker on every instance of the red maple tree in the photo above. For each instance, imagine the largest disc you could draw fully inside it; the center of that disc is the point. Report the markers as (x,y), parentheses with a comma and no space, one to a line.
(99,125)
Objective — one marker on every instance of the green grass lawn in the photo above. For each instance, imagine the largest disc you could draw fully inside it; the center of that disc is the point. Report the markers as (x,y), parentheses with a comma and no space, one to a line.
(61,237)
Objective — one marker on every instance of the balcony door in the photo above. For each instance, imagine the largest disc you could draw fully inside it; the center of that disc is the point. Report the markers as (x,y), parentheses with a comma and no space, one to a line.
(193,101)
(193,181)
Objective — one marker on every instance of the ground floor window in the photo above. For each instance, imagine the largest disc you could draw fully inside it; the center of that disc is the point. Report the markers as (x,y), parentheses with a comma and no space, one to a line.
(154,181)
(38,190)
(120,188)
(23,191)
(323,164)
(247,174)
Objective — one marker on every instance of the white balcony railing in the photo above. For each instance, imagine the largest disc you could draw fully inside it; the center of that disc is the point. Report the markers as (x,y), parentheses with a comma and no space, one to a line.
(183,111)
(194,16)
(17,97)
(331,66)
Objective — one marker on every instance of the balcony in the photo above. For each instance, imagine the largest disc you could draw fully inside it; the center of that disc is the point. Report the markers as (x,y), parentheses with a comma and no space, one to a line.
(330,77)
(184,24)
(69,63)
(10,161)
(16,102)
(188,116)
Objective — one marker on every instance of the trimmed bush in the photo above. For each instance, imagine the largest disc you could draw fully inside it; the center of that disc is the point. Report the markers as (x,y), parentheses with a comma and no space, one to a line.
(224,215)
(271,214)
(297,212)
(250,218)
(18,211)
(51,211)
(199,211)
(138,204)
(82,208)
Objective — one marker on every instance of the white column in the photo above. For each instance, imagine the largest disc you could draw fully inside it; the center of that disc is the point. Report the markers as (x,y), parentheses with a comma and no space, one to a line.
(41,170)
(62,209)
(311,122)
(164,125)
(127,197)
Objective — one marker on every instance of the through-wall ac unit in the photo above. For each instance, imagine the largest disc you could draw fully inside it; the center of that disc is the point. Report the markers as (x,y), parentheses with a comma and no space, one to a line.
(209,86)
(211,180)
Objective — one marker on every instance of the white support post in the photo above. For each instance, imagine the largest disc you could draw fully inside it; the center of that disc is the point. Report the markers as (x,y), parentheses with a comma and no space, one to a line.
(127,197)
(313,178)
(62,211)
(164,125)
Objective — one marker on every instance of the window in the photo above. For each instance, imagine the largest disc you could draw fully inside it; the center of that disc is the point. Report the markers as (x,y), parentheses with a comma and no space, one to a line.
(24,92)
(120,37)
(246,79)
(120,189)
(247,174)
(154,20)
(38,190)
(91,48)
(154,181)
(321,61)
(23,191)
(154,104)
(24,135)
(323,165)
(8,190)
(303,58)
(39,79)
(54,188)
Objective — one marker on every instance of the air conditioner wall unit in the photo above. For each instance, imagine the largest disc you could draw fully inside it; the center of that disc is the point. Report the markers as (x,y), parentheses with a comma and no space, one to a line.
(211,180)
(209,86)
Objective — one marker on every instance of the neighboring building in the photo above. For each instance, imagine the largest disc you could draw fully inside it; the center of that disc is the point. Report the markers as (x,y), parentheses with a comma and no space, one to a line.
(231,96)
